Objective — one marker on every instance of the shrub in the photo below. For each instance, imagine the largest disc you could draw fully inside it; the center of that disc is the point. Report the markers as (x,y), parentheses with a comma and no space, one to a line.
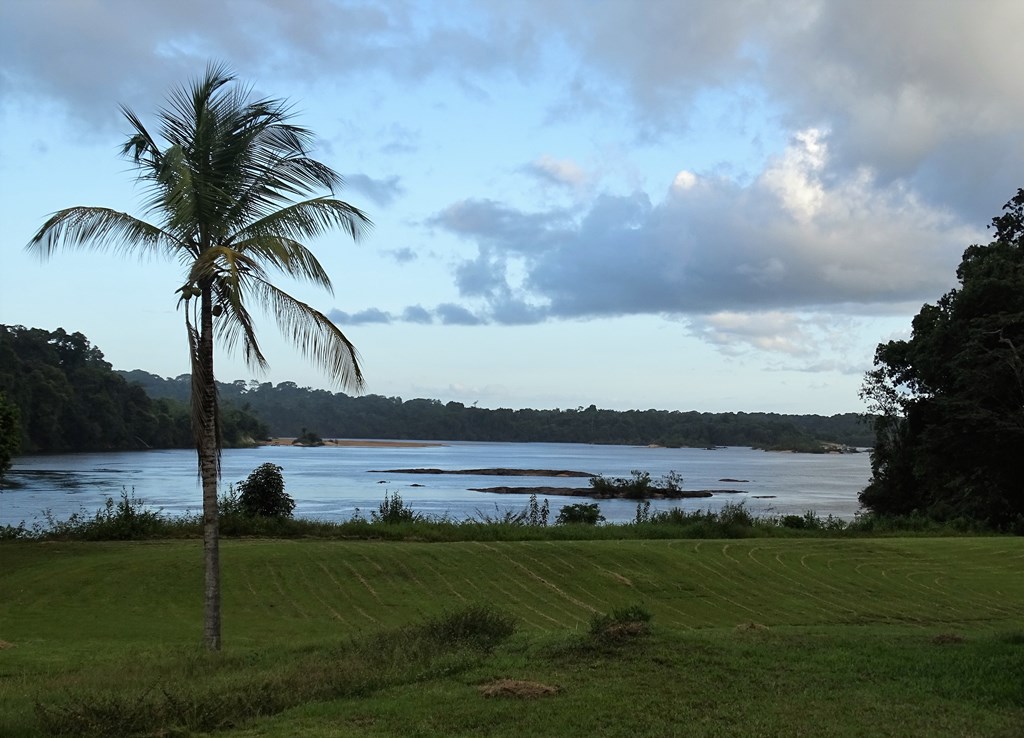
(125,520)
(537,513)
(643,513)
(735,515)
(581,513)
(639,486)
(262,493)
(308,438)
(626,622)
(478,626)
(394,510)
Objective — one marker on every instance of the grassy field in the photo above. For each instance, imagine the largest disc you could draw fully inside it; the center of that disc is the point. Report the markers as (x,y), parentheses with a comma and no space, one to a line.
(864,637)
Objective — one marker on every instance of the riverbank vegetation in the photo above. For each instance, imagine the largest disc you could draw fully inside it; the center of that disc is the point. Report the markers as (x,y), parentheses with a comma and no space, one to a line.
(69,398)
(130,519)
(288,410)
(886,637)
(949,421)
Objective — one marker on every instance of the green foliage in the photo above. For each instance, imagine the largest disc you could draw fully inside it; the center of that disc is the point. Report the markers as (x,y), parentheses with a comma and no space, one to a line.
(127,519)
(209,695)
(535,514)
(262,493)
(67,398)
(10,434)
(621,624)
(287,408)
(643,513)
(948,427)
(810,521)
(580,513)
(393,509)
(308,438)
(478,626)
(639,486)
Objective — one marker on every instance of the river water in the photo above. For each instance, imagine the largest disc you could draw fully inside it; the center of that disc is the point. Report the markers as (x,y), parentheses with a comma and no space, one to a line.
(331,482)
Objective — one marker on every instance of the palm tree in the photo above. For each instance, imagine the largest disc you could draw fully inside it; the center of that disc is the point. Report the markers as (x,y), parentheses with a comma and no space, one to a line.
(230,188)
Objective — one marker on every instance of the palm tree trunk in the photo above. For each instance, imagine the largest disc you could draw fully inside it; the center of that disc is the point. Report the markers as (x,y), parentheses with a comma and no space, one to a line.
(208,449)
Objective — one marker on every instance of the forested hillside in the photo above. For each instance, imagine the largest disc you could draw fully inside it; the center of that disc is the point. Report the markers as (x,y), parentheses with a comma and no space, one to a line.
(288,409)
(70,399)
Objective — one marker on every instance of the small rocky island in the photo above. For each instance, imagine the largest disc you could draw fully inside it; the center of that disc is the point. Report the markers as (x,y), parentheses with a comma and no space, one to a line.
(490,472)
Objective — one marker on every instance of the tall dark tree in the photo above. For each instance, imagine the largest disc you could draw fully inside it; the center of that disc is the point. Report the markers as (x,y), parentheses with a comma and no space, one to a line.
(230,186)
(950,401)
(10,434)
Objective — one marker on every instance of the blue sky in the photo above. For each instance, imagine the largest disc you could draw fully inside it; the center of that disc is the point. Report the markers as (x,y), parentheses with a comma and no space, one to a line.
(679,205)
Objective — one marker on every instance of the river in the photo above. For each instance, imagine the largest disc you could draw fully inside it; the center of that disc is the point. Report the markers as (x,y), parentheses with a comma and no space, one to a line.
(330,483)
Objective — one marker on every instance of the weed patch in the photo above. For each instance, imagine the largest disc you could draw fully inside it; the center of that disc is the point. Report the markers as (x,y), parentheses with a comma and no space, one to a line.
(518,689)
(224,695)
(621,625)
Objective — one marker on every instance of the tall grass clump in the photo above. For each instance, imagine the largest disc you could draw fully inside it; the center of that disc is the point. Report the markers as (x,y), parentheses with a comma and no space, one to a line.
(202,694)
(623,623)
(394,510)
(535,515)
(126,519)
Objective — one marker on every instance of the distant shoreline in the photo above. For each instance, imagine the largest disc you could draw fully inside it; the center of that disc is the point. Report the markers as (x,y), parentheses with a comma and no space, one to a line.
(356,443)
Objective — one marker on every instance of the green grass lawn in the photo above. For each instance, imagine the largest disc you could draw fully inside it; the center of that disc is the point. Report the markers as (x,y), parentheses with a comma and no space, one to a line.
(773,636)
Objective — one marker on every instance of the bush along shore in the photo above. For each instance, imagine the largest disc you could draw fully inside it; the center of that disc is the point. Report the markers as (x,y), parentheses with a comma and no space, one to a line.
(130,518)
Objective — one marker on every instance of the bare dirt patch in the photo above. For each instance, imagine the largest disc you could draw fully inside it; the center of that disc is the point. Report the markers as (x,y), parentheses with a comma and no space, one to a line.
(5,644)
(517,689)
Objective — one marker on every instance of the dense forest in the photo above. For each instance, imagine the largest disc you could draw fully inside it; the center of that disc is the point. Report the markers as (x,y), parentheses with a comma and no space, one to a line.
(950,400)
(68,398)
(288,409)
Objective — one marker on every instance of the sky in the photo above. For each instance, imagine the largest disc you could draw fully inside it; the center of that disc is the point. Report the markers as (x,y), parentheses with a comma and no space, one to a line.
(678,204)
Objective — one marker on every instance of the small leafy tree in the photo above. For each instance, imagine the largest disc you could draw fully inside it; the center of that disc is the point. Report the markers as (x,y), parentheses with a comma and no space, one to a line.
(10,434)
(262,493)
(582,513)
(394,510)
(537,513)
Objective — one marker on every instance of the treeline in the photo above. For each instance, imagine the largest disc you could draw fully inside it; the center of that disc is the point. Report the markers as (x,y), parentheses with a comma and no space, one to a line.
(288,410)
(70,399)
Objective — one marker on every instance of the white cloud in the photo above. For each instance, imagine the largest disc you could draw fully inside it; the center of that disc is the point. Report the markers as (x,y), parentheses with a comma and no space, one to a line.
(796,237)
(561,172)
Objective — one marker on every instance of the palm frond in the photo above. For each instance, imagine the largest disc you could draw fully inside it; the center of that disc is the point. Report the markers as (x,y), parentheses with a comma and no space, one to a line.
(313,334)
(310,219)
(235,325)
(288,257)
(102,229)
